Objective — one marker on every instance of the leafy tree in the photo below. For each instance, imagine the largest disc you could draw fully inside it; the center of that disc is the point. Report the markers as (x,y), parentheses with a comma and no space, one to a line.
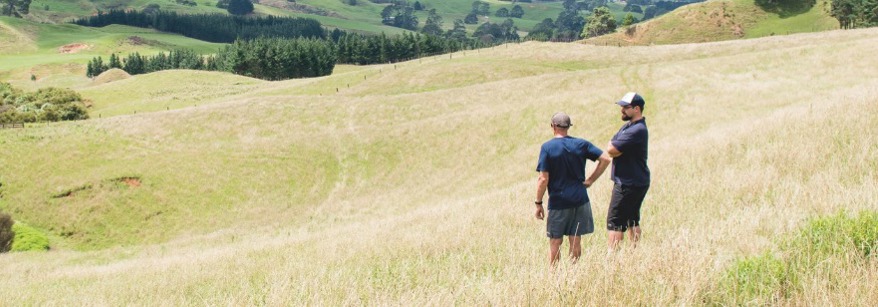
(855,13)
(480,8)
(240,7)
(502,12)
(568,25)
(418,6)
(471,19)
(516,12)
(629,20)
(433,25)
(649,12)
(457,33)
(14,7)
(489,32)
(400,16)
(543,31)
(600,23)
(484,9)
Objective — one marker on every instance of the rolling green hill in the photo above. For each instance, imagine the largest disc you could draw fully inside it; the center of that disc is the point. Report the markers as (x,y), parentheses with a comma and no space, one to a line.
(709,21)
(57,54)
(413,183)
(722,20)
(363,17)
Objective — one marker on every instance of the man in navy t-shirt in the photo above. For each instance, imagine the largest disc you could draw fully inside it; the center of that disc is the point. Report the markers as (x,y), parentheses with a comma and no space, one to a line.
(630,173)
(562,173)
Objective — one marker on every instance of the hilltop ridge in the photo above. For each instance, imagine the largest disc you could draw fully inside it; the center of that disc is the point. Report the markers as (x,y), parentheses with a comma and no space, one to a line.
(719,20)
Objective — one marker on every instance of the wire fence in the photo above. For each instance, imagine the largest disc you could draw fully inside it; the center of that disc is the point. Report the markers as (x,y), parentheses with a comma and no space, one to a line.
(11,125)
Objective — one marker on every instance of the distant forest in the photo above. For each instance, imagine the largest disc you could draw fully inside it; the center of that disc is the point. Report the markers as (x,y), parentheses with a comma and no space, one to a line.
(271,48)
(216,28)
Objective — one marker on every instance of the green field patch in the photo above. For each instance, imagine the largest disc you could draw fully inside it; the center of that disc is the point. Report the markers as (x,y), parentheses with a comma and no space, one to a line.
(164,90)
(816,251)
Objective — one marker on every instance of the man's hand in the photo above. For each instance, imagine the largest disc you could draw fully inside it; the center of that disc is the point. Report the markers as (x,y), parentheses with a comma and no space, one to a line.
(539,212)
(587,183)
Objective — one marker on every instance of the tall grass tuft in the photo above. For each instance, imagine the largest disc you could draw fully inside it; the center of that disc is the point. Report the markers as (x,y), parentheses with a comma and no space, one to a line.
(815,252)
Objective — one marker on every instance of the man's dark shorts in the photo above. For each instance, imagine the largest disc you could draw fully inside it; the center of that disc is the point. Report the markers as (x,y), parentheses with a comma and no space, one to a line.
(570,222)
(624,210)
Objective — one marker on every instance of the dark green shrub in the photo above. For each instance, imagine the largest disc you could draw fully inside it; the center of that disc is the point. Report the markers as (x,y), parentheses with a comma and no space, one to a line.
(47,104)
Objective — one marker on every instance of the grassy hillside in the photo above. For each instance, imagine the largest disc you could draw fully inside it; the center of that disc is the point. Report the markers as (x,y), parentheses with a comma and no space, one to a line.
(720,20)
(412,183)
(363,17)
(709,21)
(57,54)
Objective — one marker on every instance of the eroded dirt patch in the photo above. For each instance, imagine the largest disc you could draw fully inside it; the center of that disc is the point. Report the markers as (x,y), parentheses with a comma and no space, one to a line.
(72,192)
(129,181)
(73,48)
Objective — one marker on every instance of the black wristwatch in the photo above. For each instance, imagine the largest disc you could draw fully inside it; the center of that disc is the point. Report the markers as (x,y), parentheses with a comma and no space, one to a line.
(538,202)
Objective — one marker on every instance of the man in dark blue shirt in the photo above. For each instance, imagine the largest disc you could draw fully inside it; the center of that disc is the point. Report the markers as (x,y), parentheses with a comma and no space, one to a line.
(562,173)
(630,173)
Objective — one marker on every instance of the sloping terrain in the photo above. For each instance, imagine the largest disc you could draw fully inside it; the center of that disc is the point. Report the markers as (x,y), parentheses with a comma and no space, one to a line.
(413,183)
(56,54)
(720,20)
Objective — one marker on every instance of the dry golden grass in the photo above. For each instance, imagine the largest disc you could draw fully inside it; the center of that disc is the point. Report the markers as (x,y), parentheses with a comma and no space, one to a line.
(111,75)
(413,186)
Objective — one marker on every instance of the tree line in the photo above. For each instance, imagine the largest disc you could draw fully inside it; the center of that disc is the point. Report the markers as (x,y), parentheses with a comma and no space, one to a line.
(362,49)
(265,58)
(855,13)
(312,51)
(281,58)
(217,28)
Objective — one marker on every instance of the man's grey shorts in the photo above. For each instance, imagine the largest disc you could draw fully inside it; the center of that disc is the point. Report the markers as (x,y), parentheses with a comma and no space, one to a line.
(570,222)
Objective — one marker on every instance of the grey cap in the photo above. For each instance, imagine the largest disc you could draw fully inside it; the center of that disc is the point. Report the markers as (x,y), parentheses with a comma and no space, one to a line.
(631,98)
(561,119)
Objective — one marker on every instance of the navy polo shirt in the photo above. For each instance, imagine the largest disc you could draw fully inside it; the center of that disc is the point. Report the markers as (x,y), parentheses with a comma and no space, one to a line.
(630,168)
(564,159)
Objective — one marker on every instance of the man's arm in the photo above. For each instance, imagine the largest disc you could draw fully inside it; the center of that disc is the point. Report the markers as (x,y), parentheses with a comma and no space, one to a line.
(542,185)
(612,151)
(603,162)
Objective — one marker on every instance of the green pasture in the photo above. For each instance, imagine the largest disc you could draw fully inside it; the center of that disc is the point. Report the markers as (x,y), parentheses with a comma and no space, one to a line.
(38,49)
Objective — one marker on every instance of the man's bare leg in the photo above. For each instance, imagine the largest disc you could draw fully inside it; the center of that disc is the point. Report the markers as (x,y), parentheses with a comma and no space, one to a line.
(575,247)
(614,238)
(554,250)
(634,235)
